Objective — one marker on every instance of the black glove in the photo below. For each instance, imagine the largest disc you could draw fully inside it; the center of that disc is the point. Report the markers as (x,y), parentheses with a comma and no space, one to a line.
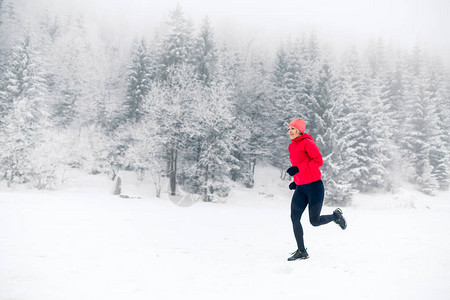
(292,186)
(292,171)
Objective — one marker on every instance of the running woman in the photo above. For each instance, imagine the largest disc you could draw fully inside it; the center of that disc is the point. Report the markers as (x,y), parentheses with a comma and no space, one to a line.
(309,190)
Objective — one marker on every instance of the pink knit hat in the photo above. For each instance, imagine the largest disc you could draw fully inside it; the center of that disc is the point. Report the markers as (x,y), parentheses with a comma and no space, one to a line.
(299,124)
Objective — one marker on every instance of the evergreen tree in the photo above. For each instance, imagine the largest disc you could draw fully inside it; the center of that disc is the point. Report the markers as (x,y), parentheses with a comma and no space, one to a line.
(423,142)
(287,89)
(348,128)
(420,143)
(322,120)
(178,44)
(373,147)
(74,77)
(373,143)
(9,30)
(310,61)
(139,81)
(395,95)
(205,53)
(110,105)
(439,152)
(328,119)
(230,67)
(443,161)
(23,109)
(299,81)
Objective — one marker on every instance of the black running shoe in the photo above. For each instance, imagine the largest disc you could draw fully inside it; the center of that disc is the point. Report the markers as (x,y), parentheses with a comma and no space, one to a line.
(299,255)
(339,218)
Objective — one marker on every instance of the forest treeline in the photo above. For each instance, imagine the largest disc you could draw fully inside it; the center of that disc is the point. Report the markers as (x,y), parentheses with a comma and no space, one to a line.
(198,115)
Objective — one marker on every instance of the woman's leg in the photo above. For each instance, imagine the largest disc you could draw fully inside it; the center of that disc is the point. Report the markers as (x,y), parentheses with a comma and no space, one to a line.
(315,193)
(298,205)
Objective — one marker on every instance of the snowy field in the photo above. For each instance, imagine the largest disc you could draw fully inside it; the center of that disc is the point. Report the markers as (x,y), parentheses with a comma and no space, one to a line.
(81,242)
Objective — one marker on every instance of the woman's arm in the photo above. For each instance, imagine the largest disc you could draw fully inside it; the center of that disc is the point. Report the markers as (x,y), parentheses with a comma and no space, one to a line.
(316,160)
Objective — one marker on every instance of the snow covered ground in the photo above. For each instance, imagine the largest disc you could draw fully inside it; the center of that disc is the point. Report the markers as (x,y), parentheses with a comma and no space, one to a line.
(81,242)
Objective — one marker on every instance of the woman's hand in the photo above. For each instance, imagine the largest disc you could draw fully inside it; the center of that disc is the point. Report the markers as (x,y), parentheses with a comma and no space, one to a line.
(292,171)
(292,186)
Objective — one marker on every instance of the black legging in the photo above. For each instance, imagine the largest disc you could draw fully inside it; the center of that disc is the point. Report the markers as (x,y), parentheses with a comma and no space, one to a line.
(312,194)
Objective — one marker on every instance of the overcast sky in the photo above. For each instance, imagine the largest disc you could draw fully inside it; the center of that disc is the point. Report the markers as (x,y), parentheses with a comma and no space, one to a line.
(350,21)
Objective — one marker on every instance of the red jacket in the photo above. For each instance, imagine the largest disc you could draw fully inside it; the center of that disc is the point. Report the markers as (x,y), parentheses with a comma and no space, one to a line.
(305,155)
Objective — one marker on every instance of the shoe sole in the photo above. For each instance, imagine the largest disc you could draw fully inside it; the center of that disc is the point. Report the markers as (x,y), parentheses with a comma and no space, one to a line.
(300,258)
(345,224)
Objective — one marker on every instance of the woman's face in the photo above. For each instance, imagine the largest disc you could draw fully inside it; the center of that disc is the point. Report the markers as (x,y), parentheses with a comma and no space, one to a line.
(294,132)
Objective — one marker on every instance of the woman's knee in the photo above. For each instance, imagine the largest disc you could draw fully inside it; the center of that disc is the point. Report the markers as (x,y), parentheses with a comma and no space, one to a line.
(315,221)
